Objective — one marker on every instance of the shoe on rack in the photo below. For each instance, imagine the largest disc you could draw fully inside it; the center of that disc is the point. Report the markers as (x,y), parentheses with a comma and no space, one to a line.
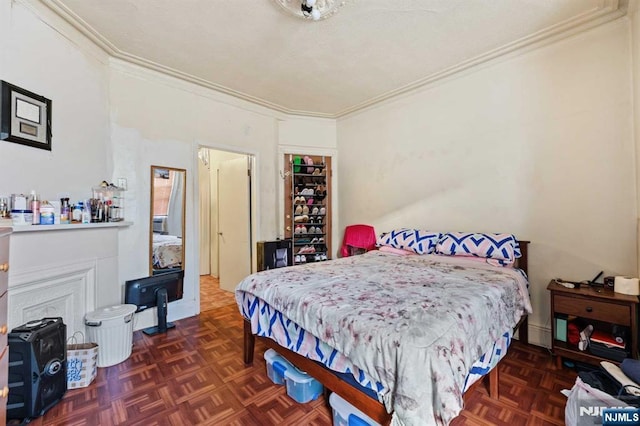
(321,240)
(314,241)
(310,201)
(323,256)
(303,230)
(298,209)
(303,259)
(323,210)
(316,172)
(309,162)
(317,258)
(297,258)
(305,209)
(315,210)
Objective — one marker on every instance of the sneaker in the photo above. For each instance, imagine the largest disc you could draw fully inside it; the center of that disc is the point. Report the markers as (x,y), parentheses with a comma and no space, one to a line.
(303,259)
(297,258)
(315,240)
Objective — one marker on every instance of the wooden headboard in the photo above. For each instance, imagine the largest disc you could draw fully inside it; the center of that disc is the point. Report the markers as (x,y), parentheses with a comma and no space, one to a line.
(523,262)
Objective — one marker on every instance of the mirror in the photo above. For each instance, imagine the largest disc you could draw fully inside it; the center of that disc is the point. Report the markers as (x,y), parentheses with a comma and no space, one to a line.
(166,229)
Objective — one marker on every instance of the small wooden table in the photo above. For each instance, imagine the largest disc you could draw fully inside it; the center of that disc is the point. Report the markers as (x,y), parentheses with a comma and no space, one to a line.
(602,308)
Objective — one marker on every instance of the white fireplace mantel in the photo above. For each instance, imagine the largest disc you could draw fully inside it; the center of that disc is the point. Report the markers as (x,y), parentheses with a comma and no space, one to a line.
(70,227)
(63,271)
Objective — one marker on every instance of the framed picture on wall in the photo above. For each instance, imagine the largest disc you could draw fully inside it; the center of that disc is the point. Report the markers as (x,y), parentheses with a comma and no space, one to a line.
(25,117)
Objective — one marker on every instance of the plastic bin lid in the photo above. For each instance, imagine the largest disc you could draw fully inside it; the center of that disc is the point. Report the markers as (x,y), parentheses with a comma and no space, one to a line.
(110,312)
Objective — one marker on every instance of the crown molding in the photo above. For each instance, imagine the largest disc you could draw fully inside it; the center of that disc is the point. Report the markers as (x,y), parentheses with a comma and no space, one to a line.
(607,11)
(98,39)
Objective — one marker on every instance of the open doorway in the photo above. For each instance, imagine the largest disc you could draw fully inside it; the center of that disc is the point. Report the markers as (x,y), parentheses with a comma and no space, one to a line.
(225,224)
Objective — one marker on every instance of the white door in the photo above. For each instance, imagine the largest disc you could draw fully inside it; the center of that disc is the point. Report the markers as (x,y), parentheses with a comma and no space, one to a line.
(234,236)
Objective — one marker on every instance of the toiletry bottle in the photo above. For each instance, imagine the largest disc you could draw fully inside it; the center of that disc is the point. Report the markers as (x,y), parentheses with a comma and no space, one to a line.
(65,212)
(76,213)
(35,208)
(86,212)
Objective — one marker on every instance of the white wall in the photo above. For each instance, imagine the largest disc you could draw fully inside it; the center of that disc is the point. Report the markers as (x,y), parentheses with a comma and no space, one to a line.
(539,145)
(160,120)
(113,120)
(73,75)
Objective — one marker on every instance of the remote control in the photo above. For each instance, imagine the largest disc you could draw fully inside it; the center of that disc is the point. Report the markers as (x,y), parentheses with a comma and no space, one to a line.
(567,285)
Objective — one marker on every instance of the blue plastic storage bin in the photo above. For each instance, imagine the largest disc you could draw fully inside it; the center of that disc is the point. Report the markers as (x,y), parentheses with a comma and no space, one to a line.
(276,366)
(301,386)
(345,414)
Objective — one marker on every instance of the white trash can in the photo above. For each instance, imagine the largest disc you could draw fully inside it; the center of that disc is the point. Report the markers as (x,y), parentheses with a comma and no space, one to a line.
(112,329)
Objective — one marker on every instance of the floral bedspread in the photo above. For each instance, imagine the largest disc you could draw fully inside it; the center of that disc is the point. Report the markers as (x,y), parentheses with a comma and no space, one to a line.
(167,251)
(416,324)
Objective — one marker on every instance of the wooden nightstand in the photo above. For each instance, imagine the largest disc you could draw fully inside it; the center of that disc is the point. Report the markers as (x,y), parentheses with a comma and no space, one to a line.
(596,306)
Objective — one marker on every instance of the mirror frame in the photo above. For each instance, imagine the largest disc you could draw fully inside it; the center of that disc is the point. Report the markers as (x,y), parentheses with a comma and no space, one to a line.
(184,207)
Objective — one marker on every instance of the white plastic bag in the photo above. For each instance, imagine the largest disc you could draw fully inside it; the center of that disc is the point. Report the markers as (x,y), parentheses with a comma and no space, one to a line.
(585,404)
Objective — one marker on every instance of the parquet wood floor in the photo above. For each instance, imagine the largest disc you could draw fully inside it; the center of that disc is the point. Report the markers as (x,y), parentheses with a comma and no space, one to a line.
(211,295)
(194,375)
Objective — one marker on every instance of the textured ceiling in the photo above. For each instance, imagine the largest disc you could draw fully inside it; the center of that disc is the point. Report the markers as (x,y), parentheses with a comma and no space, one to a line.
(370,50)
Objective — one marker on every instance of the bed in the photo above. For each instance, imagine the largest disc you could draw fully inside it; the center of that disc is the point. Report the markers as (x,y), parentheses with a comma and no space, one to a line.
(167,251)
(361,325)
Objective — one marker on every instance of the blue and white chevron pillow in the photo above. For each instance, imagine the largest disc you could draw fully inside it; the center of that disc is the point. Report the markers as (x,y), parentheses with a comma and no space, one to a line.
(416,240)
(503,248)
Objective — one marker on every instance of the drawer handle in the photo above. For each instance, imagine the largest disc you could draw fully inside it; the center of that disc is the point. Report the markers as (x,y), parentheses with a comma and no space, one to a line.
(5,392)
(4,329)
(589,309)
(4,267)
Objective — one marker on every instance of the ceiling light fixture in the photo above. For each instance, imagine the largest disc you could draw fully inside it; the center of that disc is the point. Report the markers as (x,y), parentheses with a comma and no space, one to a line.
(311,9)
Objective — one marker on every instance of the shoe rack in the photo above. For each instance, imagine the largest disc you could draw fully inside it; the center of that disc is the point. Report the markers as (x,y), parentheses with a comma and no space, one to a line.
(308,206)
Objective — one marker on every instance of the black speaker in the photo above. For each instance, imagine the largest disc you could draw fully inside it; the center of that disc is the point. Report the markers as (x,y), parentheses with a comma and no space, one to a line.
(274,254)
(37,367)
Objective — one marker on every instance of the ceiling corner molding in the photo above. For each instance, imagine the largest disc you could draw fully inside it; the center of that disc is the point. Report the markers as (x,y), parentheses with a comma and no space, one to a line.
(80,25)
(609,10)
(88,31)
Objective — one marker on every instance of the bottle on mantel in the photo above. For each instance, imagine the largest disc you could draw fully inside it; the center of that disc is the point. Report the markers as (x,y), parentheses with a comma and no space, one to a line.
(35,208)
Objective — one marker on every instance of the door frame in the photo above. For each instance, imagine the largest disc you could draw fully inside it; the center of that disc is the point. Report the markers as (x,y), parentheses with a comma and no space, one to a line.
(254,195)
